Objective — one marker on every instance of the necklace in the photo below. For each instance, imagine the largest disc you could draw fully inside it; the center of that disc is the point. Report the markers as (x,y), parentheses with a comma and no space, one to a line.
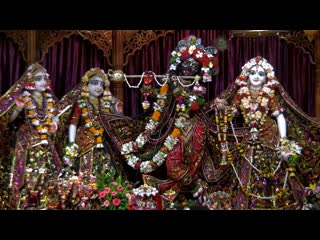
(41,124)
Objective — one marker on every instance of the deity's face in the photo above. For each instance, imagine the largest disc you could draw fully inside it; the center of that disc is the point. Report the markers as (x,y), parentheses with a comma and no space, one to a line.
(257,76)
(96,86)
(41,81)
(190,67)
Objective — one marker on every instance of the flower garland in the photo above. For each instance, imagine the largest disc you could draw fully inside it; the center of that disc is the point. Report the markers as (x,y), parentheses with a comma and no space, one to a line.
(42,126)
(97,132)
(255,114)
(186,102)
(133,146)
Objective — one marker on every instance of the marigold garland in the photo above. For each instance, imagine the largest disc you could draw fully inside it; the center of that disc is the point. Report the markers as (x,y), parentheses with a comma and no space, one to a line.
(97,132)
(42,126)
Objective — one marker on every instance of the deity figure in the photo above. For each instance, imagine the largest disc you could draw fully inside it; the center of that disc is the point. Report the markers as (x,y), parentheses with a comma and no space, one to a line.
(267,149)
(87,109)
(28,110)
(169,151)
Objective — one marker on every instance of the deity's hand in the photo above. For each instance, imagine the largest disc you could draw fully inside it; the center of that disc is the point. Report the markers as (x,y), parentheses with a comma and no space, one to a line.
(119,107)
(54,124)
(220,104)
(19,103)
(53,127)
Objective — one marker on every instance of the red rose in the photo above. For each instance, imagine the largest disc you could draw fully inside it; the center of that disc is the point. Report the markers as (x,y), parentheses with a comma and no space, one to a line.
(194,106)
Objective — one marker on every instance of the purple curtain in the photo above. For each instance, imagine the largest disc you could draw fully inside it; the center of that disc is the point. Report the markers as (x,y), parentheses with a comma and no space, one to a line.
(69,59)
(11,62)
(292,65)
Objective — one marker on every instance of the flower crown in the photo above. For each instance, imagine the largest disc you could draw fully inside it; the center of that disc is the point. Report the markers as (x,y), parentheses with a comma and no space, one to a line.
(96,72)
(191,48)
(241,80)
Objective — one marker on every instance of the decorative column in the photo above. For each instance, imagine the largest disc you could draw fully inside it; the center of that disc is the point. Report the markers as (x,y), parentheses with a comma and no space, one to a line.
(317,92)
(314,35)
(117,83)
(32,47)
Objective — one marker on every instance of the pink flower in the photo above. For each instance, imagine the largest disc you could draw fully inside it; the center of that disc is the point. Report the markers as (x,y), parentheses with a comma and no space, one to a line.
(114,193)
(106,203)
(119,188)
(107,189)
(128,195)
(102,194)
(116,201)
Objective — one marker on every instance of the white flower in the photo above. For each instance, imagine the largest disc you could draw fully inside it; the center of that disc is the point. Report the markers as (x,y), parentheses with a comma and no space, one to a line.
(243,90)
(264,102)
(199,54)
(173,67)
(191,49)
(245,102)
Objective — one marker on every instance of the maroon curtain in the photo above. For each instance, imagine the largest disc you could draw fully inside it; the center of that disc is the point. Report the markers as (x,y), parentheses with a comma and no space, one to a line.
(292,66)
(12,65)
(69,59)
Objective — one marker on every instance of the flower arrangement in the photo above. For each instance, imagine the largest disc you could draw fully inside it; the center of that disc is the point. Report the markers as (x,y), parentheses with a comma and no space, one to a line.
(70,152)
(76,193)
(145,197)
(114,192)
(290,151)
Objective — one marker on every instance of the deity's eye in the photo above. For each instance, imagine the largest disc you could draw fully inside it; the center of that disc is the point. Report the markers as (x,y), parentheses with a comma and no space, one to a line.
(39,78)
(262,74)
(252,72)
(97,82)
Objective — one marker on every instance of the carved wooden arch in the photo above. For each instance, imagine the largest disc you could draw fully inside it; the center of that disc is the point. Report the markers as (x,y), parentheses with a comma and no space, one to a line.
(301,40)
(21,39)
(298,38)
(134,40)
(101,38)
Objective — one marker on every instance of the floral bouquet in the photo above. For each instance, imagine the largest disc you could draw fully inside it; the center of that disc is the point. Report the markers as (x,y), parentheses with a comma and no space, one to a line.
(114,192)
(290,151)
(145,197)
(70,152)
